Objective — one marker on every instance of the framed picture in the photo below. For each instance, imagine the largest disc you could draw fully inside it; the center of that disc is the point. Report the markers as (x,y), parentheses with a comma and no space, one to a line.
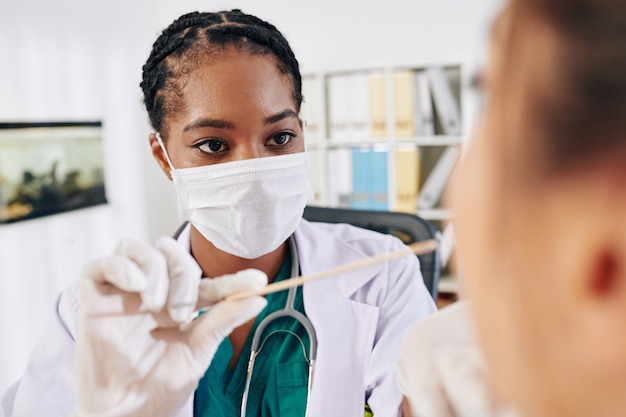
(49,168)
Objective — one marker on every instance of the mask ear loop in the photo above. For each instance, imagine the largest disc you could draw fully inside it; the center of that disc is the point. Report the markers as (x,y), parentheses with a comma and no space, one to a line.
(311,197)
(167,157)
(304,134)
(181,190)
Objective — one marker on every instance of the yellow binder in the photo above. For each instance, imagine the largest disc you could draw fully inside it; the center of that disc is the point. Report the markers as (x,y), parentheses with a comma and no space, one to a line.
(404,103)
(407,177)
(378,104)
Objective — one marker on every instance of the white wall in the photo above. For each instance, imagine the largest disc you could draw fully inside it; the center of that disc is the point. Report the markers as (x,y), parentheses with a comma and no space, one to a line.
(70,60)
(77,60)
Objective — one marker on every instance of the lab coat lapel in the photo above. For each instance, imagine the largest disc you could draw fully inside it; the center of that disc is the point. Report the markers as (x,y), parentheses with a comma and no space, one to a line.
(345,327)
(320,251)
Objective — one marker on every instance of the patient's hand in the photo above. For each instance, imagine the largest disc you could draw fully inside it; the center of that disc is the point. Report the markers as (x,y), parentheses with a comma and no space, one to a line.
(441,371)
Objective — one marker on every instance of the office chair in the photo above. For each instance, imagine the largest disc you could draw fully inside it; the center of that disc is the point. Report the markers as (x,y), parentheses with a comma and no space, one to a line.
(409,228)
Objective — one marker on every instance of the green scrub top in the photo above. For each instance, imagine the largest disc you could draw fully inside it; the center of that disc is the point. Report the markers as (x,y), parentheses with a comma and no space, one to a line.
(279,380)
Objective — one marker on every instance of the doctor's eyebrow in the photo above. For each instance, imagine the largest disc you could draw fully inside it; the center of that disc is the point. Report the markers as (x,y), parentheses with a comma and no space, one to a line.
(223,124)
(216,123)
(280,116)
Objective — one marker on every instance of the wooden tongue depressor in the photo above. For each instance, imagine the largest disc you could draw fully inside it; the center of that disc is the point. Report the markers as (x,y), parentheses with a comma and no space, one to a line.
(417,248)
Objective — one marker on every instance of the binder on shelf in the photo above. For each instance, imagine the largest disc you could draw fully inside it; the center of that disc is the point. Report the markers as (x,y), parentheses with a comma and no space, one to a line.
(311,108)
(446,243)
(407,175)
(378,177)
(446,105)
(429,156)
(424,117)
(339,102)
(366,120)
(316,175)
(378,104)
(339,177)
(359,110)
(404,103)
(361,184)
(433,186)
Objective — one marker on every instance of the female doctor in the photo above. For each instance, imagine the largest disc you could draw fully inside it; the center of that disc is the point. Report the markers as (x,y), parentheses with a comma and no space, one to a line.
(223,93)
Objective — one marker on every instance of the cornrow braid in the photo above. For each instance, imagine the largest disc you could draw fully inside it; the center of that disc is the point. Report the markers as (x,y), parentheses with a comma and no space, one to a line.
(195,34)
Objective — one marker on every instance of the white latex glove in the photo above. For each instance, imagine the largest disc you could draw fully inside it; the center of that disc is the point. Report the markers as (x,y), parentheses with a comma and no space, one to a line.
(441,371)
(130,362)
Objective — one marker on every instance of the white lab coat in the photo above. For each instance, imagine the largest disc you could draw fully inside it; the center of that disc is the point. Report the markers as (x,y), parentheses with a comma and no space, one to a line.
(360,319)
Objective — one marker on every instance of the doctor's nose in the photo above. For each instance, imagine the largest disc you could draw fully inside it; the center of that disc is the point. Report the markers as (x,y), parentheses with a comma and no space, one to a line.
(249,151)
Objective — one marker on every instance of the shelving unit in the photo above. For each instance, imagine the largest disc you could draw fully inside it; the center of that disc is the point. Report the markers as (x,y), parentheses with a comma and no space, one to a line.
(385,139)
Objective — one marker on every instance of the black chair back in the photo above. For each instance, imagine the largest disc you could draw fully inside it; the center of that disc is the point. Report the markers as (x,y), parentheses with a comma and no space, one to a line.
(409,228)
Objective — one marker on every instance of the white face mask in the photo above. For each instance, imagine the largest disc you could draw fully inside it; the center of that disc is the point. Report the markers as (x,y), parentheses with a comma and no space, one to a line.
(246,208)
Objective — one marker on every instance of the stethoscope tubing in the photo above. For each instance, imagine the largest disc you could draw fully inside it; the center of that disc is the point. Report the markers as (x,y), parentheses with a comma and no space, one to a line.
(288,311)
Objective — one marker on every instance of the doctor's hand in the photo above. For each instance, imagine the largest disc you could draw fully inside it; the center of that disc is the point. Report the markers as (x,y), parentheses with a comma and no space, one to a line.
(138,351)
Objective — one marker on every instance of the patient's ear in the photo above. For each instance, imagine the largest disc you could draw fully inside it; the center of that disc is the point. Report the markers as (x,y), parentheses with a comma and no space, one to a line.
(604,268)
(159,155)
(600,301)
(605,274)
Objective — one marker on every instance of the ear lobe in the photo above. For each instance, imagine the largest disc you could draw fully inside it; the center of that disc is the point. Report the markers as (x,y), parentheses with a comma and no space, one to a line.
(605,275)
(159,156)
(598,325)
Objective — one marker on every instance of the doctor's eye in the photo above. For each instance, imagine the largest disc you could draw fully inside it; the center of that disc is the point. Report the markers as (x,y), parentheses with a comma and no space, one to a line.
(211,145)
(281,139)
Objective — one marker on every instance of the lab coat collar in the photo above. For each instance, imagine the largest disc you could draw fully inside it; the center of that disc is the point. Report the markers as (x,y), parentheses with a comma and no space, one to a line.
(333,250)
(318,244)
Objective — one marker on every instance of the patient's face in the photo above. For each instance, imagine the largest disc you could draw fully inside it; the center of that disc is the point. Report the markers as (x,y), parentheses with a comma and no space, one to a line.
(507,221)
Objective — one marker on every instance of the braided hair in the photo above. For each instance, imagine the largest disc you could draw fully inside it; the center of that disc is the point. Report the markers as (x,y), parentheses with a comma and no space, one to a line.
(192,38)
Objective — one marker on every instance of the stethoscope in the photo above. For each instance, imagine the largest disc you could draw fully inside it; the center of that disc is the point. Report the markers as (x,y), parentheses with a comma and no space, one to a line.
(288,311)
